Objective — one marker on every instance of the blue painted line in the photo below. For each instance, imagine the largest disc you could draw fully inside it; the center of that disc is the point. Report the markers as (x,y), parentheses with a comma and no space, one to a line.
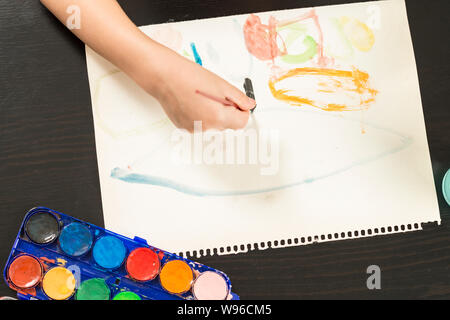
(197,57)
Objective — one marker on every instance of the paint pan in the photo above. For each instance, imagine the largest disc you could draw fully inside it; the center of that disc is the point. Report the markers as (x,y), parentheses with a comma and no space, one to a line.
(75,239)
(58,283)
(63,258)
(42,228)
(25,272)
(126,295)
(93,289)
(210,285)
(143,264)
(109,252)
(176,276)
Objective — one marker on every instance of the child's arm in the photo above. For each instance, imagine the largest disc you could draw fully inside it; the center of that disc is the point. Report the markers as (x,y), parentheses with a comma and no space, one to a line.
(163,73)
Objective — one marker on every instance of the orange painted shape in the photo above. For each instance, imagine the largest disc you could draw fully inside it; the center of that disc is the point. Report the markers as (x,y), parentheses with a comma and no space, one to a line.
(344,80)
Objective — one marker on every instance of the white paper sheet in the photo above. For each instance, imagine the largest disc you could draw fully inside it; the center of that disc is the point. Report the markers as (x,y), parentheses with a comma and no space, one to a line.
(338,172)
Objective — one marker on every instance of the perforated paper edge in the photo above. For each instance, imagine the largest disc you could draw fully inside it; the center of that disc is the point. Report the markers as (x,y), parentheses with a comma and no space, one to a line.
(306,240)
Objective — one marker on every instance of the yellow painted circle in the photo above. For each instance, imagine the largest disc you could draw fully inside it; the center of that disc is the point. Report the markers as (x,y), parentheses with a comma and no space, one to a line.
(58,283)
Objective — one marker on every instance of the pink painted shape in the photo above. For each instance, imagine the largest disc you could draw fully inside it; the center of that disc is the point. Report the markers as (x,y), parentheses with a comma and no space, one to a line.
(261,39)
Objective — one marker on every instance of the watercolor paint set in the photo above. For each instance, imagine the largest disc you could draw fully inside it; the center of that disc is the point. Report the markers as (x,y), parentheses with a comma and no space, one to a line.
(58,257)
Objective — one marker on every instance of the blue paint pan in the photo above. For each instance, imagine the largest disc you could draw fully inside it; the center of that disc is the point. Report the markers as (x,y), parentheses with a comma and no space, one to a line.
(75,239)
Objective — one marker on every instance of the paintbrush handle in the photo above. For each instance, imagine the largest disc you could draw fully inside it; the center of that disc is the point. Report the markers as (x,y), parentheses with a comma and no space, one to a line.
(225,102)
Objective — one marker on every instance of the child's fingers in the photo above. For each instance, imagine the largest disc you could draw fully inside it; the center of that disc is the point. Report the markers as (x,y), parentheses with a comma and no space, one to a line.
(235,118)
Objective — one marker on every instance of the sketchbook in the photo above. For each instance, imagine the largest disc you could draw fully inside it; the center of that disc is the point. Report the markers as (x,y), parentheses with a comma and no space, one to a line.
(336,148)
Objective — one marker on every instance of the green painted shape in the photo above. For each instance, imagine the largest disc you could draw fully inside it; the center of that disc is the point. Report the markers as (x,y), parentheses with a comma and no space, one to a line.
(309,53)
(296,30)
(186,54)
(93,289)
(127,295)
(292,37)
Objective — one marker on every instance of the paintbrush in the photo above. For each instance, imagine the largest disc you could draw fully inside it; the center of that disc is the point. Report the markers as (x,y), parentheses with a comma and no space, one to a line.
(248,87)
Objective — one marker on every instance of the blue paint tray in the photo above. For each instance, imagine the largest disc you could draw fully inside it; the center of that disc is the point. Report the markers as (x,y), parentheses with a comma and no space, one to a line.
(84,267)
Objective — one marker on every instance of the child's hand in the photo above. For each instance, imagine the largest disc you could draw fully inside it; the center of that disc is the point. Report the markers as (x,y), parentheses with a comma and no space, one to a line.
(179,78)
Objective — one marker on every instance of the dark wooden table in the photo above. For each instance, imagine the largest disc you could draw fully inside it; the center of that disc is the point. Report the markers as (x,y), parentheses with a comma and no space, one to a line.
(47,153)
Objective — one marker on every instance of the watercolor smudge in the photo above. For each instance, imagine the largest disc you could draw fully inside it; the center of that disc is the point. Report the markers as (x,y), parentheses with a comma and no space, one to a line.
(167,36)
(358,33)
